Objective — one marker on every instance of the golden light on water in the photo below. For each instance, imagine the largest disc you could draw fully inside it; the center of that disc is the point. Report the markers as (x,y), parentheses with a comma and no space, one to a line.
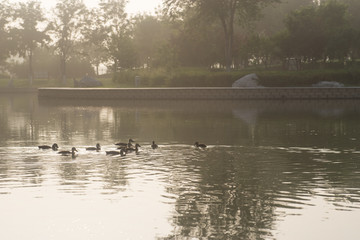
(255,180)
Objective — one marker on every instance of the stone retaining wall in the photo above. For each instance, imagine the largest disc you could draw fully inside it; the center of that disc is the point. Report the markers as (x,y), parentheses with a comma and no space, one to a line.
(201,93)
(18,90)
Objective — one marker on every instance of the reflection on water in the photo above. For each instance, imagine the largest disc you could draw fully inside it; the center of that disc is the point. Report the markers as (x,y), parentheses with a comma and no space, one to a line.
(270,168)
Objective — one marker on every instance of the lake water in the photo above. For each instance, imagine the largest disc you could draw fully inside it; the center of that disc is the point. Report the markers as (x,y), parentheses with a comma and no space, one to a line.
(272,169)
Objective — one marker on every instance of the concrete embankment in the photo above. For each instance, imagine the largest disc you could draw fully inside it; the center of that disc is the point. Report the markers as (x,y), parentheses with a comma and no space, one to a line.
(201,93)
(18,90)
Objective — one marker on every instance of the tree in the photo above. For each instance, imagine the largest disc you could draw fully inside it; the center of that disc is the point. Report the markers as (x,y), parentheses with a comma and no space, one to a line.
(125,52)
(5,40)
(259,48)
(95,35)
(319,32)
(150,33)
(306,33)
(29,15)
(197,42)
(354,18)
(272,20)
(67,26)
(226,12)
(117,28)
(353,9)
(339,35)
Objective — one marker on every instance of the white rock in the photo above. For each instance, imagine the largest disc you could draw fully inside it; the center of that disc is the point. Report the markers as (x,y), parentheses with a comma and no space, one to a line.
(250,80)
(328,84)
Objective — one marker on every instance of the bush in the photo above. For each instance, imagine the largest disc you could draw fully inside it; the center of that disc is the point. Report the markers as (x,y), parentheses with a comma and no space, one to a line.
(349,77)
(195,77)
(204,78)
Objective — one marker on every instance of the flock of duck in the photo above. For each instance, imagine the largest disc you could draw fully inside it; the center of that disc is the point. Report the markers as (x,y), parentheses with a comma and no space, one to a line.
(122,148)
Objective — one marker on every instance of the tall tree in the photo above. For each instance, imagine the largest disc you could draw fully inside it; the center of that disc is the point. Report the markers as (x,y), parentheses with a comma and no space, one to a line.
(149,34)
(226,12)
(319,32)
(29,16)
(114,20)
(95,35)
(197,43)
(5,42)
(67,26)
(273,15)
(337,29)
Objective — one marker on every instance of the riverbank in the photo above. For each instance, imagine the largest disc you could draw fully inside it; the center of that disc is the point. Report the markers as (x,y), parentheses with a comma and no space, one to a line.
(18,90)
(195,77)
(200,77)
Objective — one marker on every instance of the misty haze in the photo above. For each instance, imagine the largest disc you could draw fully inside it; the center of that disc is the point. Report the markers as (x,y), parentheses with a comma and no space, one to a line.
(179,119)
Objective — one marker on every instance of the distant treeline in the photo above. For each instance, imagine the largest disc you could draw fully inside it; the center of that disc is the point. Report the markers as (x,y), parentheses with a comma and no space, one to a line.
(73,40)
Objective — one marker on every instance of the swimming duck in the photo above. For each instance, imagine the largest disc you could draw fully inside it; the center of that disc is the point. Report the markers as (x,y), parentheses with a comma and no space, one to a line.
(125,144)
(97,148)
(66,153)
(128,145)
(154,145)
(199,145)
(54,147)
(121,152)
(130,149)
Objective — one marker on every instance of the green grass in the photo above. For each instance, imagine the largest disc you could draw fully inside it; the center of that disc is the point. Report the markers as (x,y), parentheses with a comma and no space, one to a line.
(39,83)
(196,77)
(190,77)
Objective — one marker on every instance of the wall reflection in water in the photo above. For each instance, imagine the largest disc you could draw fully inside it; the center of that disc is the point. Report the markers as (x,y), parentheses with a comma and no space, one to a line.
(266,160)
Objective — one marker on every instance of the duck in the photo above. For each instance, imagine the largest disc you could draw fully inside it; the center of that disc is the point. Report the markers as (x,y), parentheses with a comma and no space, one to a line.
(131,149)
(66,153)
(199,145)
(54,147)
(125,144)
(121,152)
(97,148)
(154,145)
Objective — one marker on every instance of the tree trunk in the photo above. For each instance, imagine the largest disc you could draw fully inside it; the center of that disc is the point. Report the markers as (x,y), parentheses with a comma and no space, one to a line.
(226,44)
(31,71)
(228,27)
(97,69)
(63,69)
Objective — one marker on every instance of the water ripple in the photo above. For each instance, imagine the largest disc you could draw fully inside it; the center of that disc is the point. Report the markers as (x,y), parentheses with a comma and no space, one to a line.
(223,184)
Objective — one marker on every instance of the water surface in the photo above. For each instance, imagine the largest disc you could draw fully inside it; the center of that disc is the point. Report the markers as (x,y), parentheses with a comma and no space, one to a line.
(272,169)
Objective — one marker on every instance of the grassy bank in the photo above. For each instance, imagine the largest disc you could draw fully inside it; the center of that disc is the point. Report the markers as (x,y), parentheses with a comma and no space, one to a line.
(205,78)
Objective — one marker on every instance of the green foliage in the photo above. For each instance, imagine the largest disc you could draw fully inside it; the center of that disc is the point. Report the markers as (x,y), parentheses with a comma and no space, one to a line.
(197,77)
(118,41)
(27,35)
(318,33)
(201,33)
(349,77)
(272,20)
(180,77)
(149,34)
(94,37)
(125,77)
(46,65)
(225,12)
(6,45)
(67,25)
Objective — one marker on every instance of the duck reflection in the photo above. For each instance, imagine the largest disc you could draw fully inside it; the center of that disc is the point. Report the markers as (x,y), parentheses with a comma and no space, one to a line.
(232,190)
(33,170)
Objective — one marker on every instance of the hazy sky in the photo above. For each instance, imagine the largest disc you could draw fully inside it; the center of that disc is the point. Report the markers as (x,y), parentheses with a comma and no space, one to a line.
(134,6)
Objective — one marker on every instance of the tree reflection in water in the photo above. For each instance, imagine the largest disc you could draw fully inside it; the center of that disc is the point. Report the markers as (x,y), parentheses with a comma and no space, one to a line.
(264,161)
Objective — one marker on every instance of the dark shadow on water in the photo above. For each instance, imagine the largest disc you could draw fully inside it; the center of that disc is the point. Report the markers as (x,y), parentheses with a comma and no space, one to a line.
(214,105)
